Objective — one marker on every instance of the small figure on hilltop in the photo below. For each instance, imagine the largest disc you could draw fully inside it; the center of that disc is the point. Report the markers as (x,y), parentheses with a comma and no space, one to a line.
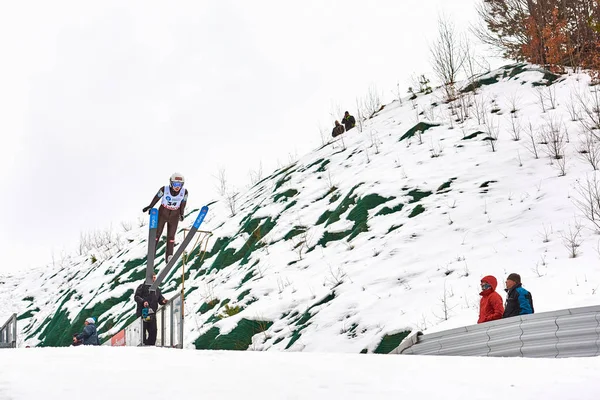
(171,211)
(338,129)
(89,336)
(348,121)
(147,305)
(518,300)
(490,305)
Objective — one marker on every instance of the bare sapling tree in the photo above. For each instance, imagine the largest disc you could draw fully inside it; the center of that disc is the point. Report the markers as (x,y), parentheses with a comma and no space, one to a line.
(573,108)
(397,93)
(228,193)
(590,151)
(515,128)
(375,140)
(447,56)
(541,99)
(257,174)
(473,65)
(588,201)
(572,239)
(360,115)
(372,101)
(493,129)
(549,94)
(590,109)
(531,144)
(553,137)
(324,134)
(335,111)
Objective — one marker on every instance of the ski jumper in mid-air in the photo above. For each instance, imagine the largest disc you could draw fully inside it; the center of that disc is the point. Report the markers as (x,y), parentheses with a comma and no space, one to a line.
(174,198)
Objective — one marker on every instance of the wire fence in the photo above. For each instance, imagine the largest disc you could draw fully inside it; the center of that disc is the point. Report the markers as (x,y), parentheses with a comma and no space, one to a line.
(169,322)
(8,333)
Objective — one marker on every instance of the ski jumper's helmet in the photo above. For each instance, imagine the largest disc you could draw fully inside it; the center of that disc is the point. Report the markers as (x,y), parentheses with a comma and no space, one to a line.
(178,179)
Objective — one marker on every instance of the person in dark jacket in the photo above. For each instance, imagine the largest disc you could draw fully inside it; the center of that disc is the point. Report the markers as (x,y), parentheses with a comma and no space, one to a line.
(89,336)
(348,121)
(147,299)
(518,300)
(490,305)
(338,129)
(174,198)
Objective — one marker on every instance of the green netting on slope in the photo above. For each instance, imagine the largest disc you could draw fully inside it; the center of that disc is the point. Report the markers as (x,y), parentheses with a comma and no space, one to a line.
(207,306)
(417,195)
(27,314)
(290,205)
(302,321)
(320,160)
(329,217)
(296,230)
(238,339)
(205,340)
(285,195)
(247,277)
(323,165)
(473,135)
(199,260)
(445,185)
(329,191)
(388,210)
(390,342)
(420,127)
(243,294)
(55,324)
(359,215)
(416,211)
(476,84)
(296,334)
(228,257)
(65,337)
(547,80)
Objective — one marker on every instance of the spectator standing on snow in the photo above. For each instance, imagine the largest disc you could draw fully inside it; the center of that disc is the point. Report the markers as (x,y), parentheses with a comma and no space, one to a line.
(518,300)
(348,121)
(89,336)
(338,129)
(174,198)
(490,305)
(150,300)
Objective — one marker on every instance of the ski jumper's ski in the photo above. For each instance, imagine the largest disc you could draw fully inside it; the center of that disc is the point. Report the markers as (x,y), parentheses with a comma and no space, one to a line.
(151,245)
(180,249)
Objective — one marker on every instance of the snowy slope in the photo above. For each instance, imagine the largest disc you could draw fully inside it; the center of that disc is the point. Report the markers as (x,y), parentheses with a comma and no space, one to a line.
(363,238)
(188,374)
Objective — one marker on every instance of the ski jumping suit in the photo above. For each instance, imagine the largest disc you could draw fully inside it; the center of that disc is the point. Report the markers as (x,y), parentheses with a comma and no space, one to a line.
(171,211)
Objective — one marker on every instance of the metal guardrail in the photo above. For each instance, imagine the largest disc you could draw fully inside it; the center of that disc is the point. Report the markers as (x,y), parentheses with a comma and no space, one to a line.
(564,333)
(169,321)
(8,333)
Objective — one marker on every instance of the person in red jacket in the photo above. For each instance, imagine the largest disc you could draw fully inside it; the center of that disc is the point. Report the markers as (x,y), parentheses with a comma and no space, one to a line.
(490,306)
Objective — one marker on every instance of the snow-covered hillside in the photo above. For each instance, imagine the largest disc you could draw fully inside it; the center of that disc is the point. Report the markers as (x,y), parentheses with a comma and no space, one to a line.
(370,236)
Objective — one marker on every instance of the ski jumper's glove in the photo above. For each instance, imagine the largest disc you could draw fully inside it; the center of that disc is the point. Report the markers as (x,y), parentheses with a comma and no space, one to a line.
(145,209)
(180,217)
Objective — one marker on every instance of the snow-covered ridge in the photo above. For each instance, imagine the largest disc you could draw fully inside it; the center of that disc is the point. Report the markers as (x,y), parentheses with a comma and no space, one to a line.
(386,231)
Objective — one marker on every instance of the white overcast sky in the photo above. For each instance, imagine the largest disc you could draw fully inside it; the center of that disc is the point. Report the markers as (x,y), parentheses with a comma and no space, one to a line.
(101,101)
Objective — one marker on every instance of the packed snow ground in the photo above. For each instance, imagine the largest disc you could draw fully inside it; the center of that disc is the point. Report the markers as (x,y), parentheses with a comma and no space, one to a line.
(423,275)
(133,373)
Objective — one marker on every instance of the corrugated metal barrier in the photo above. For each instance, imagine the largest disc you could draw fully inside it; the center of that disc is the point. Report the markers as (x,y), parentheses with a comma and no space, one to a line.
(564,333)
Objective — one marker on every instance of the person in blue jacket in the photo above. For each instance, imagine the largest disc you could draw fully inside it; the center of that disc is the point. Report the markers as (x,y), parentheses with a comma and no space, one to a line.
(518,300)
(89,336)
